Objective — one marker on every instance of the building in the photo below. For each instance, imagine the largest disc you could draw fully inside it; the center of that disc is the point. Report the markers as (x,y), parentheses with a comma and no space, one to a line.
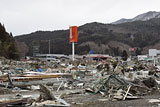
(142,57)
(154,54)
(98,56)
(50,57)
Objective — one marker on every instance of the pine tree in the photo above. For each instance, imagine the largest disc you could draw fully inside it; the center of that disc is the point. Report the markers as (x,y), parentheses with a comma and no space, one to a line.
(8,48)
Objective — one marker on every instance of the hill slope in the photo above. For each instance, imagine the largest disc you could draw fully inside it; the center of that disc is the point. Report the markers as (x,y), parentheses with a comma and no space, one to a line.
(8,48)
(142,17)
(101,38)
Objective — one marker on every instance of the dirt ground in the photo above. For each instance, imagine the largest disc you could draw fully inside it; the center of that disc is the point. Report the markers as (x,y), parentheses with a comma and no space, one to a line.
(85,99)
(92,100)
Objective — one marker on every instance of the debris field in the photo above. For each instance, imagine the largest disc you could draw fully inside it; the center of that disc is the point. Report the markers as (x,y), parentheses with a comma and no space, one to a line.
(79,83)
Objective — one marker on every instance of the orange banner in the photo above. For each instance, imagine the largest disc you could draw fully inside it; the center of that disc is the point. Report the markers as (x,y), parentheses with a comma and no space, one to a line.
(72,34)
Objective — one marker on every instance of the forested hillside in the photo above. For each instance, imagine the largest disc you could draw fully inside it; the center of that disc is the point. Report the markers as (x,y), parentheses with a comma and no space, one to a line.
(101,38)
(8,48)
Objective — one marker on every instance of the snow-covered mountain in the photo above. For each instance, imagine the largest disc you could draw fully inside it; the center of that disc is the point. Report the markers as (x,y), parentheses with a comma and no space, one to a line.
(142,17)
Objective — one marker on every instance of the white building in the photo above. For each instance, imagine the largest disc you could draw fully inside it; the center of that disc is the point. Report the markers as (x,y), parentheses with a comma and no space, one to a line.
(142,57)
(155,55)
(153,52)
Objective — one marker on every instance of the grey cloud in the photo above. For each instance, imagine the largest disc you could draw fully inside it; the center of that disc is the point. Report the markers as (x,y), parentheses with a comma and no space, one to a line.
(25,16)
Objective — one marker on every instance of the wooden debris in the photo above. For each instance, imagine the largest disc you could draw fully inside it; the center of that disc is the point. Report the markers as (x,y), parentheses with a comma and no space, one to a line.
(127,92)
(60,86)
(13,102)
(102,99)
(154,101)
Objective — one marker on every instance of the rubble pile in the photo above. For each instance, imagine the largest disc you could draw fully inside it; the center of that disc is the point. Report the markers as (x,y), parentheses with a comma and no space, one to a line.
(47,82)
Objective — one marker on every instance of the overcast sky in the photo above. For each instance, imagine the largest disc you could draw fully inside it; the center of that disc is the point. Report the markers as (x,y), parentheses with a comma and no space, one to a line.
(26,16)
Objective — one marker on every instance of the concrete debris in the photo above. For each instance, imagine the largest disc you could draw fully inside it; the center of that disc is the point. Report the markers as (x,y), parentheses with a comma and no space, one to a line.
(47,93)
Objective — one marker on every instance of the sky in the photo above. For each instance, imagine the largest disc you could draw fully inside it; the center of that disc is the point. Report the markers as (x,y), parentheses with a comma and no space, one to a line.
(26,16)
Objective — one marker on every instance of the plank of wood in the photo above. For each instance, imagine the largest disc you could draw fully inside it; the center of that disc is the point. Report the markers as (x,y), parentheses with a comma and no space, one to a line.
(127,92)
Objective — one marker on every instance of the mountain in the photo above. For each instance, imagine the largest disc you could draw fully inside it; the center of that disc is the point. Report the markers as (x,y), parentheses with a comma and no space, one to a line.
(8,47)
(142,17)
(110,39)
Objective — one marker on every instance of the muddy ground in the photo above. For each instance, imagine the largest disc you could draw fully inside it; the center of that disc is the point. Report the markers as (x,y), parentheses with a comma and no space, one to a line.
(96,100)
(84,99)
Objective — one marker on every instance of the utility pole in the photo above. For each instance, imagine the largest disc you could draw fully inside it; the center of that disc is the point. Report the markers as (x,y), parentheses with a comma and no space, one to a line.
(49,46)
(73,51)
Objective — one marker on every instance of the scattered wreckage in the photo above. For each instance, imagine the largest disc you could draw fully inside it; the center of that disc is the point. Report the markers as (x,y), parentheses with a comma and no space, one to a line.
(114,80)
